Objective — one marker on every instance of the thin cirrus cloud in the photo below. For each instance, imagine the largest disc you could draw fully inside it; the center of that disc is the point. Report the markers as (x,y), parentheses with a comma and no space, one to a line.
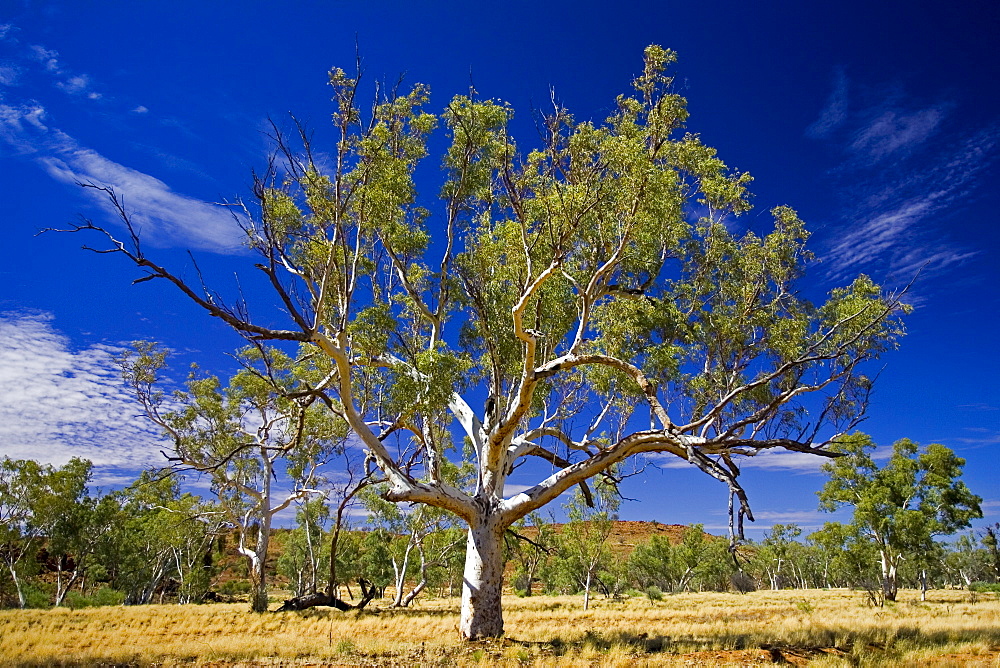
(901,167)
(166,218)
(771,460)
(835,112)
(57,403)
(807,519)
(162,216)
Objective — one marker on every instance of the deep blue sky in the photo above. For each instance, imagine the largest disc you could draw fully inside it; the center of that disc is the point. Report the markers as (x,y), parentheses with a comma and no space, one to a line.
(879,122)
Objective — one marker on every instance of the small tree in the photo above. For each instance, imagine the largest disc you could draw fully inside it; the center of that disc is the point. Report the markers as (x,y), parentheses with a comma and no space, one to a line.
(899,507)
(51,505)
(582,544)
(243,436)
(418,541)
(774,552)
(593,279)
(992,545)
(22,486)
(530,554)
(161,534)
(652,564)
(305,556)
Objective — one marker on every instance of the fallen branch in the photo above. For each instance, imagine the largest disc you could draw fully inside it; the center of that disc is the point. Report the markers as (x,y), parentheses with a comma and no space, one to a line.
(368,591)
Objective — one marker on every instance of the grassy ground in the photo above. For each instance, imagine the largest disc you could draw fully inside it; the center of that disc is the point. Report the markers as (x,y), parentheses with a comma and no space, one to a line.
(822,628)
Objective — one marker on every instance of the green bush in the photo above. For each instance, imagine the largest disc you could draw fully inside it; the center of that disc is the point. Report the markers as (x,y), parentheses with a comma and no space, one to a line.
(37,595)
(103,596)
(654,593)
(231,587)
(985,587)
(108,596)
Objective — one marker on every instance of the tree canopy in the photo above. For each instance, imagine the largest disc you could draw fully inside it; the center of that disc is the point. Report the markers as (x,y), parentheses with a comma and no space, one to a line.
(595,295)
(901,506)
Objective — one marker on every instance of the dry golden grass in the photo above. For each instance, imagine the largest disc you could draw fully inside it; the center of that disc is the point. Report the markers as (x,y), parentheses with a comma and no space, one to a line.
(824,628)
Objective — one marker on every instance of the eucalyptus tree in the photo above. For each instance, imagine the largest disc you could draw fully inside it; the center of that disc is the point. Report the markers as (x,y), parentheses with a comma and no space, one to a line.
(902,506)
(702,561)
(41,503)
(244,436)
(419,541)
(302,549)
(581,546)
(530,554)
(774,553)
(22,483)
(162,534)
(582,302)
(651,564)
(992,545)
(76,524)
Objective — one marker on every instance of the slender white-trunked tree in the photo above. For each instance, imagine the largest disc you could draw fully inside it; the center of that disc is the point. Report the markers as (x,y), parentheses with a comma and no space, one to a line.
(588,293)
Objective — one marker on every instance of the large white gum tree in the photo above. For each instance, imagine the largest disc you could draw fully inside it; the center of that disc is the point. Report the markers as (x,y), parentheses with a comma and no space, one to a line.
(582,302)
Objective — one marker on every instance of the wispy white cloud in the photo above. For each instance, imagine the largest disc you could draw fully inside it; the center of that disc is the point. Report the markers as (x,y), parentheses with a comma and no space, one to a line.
(165,217)
(78,85)
(894,130)
(902,168)
(979,407)
(771,460)
(804,518)
(9,74)
(780,460)
(49,58)
(73,83)
(835,112)
(978,437)
(162,216)
(57,402)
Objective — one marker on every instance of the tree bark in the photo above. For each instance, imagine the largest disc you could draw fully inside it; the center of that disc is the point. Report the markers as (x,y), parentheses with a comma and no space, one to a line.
(258,573)
(482,587)
(889,580)
(22,601)
(368,592)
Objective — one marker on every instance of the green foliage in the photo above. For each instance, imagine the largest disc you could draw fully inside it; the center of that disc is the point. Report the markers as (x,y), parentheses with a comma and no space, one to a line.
(305,550)
(530,557)
(102,597)
(606,266)
(234,587)
(993,587)
(902,506)
(583,554)
(652,564)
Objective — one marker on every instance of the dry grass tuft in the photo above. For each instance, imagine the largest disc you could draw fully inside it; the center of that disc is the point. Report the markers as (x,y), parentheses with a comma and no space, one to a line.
(822,628)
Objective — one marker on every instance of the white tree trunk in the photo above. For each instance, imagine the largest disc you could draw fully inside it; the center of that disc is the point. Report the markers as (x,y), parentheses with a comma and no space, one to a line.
(889,578)
(22,601)
(482,615)
(256,558)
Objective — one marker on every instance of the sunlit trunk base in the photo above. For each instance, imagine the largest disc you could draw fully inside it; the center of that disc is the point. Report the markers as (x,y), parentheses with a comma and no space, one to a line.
(482,615)
(889,580)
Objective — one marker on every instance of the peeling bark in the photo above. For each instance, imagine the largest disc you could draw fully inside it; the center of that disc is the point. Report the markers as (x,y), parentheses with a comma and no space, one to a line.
(482,615)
